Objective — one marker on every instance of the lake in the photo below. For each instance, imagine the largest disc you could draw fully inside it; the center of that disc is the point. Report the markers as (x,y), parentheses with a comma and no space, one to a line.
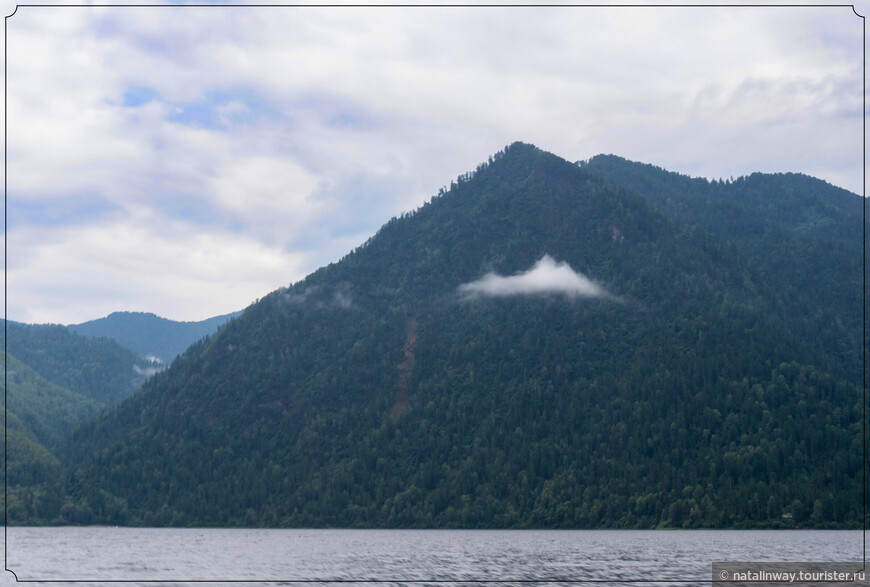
(170,555)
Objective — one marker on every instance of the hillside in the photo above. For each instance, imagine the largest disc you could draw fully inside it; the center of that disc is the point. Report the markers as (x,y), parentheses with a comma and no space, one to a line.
(807,233)
(746,210)
(535,347)
(96,368)
(149,335)
(42,410)
(66,379)
(39,415)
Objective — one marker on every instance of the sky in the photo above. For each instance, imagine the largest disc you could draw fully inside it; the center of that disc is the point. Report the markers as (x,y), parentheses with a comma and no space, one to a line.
(187,160)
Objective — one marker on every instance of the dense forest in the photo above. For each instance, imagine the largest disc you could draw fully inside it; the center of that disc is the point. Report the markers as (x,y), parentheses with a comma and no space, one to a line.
(97,368)
(60,380)
(804,232)
(715,383)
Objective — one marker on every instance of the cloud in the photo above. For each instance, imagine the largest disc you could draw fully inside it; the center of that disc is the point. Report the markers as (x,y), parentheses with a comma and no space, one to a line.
(315,297)
(70,275)
(295,132)
(148,371)
(546,277)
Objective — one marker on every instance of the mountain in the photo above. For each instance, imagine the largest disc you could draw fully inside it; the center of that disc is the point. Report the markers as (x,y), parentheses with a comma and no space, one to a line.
(747,210)
(803,230)
(66,379)
(97,368)
(41,410)
(535,347)
(38,416)
(150,335)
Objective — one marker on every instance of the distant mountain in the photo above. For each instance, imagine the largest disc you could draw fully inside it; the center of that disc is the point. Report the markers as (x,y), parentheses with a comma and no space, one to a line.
(150,335)
(538,346)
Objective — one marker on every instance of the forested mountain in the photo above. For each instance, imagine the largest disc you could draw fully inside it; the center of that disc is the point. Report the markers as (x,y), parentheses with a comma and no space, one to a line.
(535,347)
(150,335)
(97,368)
(66,379)
(42,410)
(805,232)
(747,210)
(39,415)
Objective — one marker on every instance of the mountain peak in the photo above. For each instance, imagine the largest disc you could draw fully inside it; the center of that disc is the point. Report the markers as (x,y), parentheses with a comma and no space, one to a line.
(433,378)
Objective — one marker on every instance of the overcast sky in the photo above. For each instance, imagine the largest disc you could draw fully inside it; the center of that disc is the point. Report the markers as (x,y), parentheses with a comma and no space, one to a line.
(188,160)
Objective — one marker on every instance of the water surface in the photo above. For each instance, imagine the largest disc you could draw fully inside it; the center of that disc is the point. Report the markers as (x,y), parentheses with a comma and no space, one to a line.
(173,555)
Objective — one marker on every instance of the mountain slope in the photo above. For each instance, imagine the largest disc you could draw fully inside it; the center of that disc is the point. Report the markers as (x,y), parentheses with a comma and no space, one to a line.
(66,379)
(149,335)
(39,415)
(42,410)
(745,209)
(801,237)
(97,368)
(380,392)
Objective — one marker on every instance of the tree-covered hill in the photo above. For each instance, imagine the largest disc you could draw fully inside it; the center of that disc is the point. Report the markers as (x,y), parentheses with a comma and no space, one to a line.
(42,410)
(433,378)
(150,335)
(63,379)
(747,209)
(802,231)
(97,368)
(39,415)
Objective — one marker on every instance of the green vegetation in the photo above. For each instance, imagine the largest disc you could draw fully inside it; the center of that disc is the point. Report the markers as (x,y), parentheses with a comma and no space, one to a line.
(717,389)
(67,379)
(800,236)
(97,368)
(39,415)
(149,335)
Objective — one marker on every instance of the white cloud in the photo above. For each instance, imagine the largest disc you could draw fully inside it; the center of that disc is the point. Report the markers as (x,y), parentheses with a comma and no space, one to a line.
(545,277)
(318,124)
(177,271)
(275,196)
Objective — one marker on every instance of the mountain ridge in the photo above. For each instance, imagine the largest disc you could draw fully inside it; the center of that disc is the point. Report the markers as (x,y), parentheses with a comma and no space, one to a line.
(371,394)
(779,222)
(150,335)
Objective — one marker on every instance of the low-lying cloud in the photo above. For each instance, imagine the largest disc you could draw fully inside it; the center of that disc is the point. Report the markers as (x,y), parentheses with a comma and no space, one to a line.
(315,296)
(148,371)
(546,277)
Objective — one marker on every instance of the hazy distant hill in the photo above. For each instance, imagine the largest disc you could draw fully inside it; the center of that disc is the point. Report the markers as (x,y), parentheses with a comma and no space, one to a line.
(455,372)
(150,335)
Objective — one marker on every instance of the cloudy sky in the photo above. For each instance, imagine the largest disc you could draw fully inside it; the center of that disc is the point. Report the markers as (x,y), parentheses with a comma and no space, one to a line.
(186,160)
